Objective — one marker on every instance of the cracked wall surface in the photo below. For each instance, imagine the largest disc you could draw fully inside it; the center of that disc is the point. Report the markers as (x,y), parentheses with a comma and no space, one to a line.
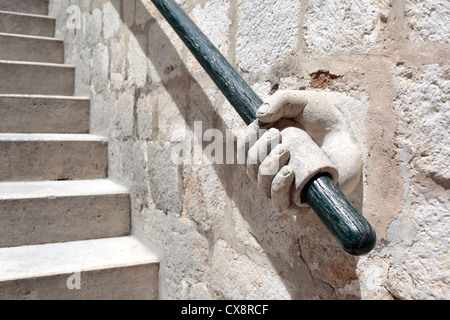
(216,235)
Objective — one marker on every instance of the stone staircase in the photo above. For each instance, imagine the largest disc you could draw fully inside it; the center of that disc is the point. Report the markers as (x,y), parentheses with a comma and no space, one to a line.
(64,226)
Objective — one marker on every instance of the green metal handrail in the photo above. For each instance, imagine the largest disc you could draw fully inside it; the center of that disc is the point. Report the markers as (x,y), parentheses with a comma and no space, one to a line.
(342,219)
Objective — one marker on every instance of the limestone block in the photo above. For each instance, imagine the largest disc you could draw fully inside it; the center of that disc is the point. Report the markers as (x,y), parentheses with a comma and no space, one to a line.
(118,63)
(266,32)
(256,225)
(420,271)
(83,75)
(168,110)
(133,164)
(129,12)
(164,178)
(93,27)
(200,291)
(428,20)
(145,117)
(142,13)
(202,197)
(164,52)
(213,20)
(424,118)
(333,26)
(187,257)
(242,278)
(123,116)
(98,116)
(100,68)
(111,18)
(419,237)
(137,60)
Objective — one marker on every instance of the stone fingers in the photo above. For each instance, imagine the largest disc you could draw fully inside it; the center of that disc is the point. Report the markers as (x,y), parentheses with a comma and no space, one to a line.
(270,167)
(247,138)
(259,151)
(281,189)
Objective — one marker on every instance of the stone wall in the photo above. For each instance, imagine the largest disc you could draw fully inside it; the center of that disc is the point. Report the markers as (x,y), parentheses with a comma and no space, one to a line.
(217,236)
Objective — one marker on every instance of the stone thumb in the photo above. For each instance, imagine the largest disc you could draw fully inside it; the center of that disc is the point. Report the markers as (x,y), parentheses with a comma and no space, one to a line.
(282,104)
(269,112)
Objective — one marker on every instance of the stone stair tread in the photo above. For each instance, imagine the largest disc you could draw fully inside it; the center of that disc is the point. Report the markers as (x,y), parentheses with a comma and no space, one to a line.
(27,36)
(37,212)
(27,24)
(31,48)
(26,77)
(43,96)
(51,137)
(44,114)
(45,189)
(31,15)
(60,213)
(41,64)
(39,7)
(76,256)
(52,156)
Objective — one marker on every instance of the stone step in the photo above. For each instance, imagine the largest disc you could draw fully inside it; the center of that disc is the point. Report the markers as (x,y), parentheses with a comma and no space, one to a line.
(25,6)
(31,48)
(112,268)
(28,24)
(33,157)
(60,211)
(20,77)
(44,114)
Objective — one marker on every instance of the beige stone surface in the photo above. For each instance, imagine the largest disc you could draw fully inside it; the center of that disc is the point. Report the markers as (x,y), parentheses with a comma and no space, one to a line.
(44,114)
(217,233)
(25,157)
(34,25)
(65,228)
(39,7)
(114,268)
(58,211)
(31,48)
(36,78)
